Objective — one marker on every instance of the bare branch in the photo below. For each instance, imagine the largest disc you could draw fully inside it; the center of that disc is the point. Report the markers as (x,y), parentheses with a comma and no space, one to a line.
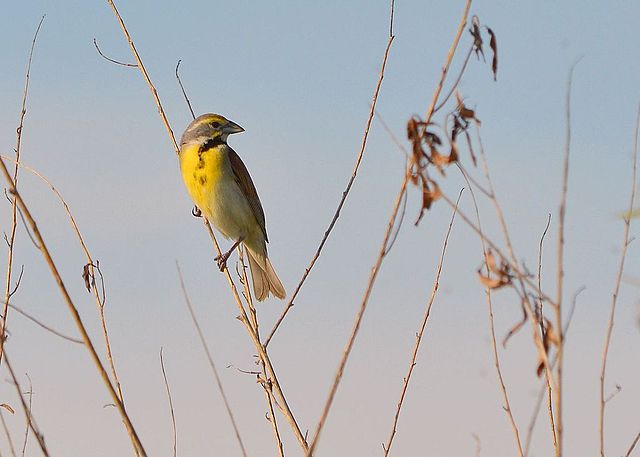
(26,409)
(494,344)
(416,348)
(117,62)
(560,267)
(211,363)
(358,318)
(7,434)
(14,206)
(143,70)
(173,416)
(44,326)
(345,193)
(26,432)
(184,92)
(633,444)
(616,287)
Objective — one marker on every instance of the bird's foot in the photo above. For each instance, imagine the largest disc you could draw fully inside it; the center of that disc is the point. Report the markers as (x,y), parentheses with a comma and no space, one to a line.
(221,260)
(196,212)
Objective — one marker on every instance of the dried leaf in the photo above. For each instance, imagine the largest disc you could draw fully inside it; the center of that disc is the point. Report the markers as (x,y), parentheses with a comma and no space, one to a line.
(7,407)
(428,196)
(492,283)
(477,37)
(494,48)
(86,275)
(491,263)
(549,338)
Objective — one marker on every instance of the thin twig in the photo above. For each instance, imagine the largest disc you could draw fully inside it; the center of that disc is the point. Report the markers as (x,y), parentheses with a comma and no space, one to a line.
(456,82)
(358,319)
(44,326)
(74,312)
(445,69)
(494,344)
(616,287)
(343,199)
(7,434)
(117,62)
(26,432)
(522,278)
(173,416)
(26,409)
(540,301)
(633,444)
(211,362)
(560,269)
(14,205)
(184,92)
(143,70)
(543,387)
(419,334)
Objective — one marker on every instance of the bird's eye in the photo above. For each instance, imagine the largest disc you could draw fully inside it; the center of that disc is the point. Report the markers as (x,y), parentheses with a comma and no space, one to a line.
(215,125)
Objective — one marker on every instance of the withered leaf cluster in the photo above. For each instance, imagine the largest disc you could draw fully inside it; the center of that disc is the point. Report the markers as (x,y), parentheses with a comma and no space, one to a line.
(475,31)
(424,151)
(502,274)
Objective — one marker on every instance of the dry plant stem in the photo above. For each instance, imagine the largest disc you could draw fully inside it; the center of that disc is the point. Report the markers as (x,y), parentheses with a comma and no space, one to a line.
(27,409)
(540,301)
(543,389)
(100,301)
(420,333)
(7,434)
(265,383)
(44,326)
(74,312)
(26,432)
(356,325)
(529,310)
(173,416)
(445,69)
(633,445)
(14,205)
(211,363)
(494,344)
(363,146)
(143,70)
(616,287)
(243,315)
(560,269)
(262,352)
(184,92)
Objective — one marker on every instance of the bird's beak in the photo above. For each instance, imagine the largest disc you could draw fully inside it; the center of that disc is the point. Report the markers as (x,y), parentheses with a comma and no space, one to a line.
(232,127)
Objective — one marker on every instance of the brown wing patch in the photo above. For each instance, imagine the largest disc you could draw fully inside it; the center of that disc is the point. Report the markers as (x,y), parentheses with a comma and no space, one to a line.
(246,185)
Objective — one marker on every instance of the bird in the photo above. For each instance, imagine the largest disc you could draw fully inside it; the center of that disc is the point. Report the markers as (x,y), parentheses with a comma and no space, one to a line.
(220,186)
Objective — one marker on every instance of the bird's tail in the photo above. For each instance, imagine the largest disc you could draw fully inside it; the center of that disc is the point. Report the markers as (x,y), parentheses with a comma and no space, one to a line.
(264,277)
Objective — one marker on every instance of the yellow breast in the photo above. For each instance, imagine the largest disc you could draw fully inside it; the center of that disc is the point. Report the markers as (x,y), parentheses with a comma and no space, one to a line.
(201,173)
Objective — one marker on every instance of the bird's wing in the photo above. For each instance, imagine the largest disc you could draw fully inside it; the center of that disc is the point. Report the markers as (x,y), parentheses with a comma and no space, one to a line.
(243,179)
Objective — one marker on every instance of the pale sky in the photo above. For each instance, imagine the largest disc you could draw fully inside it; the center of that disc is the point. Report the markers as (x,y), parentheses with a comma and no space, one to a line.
(298,76)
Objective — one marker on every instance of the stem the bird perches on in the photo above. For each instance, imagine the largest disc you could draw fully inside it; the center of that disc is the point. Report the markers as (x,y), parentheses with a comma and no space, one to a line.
(279,394)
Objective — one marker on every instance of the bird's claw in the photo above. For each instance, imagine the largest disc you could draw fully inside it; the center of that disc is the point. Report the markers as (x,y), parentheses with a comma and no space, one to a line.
(221,260)
(196,212)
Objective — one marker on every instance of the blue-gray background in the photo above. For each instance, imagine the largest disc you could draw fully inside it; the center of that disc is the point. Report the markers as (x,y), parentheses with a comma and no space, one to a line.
(298,76)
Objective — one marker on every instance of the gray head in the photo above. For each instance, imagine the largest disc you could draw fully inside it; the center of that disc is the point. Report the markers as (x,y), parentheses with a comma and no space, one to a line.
(209,127)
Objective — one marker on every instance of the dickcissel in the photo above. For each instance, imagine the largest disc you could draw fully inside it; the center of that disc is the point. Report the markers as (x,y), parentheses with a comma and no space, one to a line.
(221,187)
